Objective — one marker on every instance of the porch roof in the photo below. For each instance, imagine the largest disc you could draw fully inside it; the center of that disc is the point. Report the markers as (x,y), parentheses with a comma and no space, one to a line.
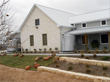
(93,30)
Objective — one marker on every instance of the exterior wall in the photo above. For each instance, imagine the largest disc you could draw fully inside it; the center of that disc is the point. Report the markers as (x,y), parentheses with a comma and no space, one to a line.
(92,24)
(46,26)
(91,37)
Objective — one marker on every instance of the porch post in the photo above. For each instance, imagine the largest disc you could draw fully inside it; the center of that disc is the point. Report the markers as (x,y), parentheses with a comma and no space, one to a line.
(85,41)
(109,39)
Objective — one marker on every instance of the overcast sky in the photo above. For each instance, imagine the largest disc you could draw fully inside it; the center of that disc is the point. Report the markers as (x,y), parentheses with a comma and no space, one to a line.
(22,7)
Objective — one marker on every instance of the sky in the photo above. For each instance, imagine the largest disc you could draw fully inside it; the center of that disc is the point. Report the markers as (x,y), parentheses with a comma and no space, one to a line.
(20,8)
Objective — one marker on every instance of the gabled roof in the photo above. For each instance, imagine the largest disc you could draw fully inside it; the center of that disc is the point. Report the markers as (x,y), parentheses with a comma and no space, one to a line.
(61,18)
(93,16)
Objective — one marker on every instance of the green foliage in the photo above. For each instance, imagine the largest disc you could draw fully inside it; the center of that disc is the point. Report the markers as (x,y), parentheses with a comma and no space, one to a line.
(95,44)
(57,65)
(105,58)
(56,48)
(30,51)
(96,50)
(89,51)
(81,51)
(50,49)
(94,55)
(104,50)
(35,50)
(40,49)
(70,67)
(82,55)
(26,50)
(105,47)
(87,57)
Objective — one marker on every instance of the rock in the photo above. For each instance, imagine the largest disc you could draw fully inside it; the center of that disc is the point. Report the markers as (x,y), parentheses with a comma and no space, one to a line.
(47,58)
(57,57)
(36,65)
(21,56)
(15,55)
(4,54)
(27,67)
(38,58)
(54,54)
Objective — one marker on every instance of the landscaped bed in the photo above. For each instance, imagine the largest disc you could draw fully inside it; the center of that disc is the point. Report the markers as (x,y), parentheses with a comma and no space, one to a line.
(18,62)
(82,68)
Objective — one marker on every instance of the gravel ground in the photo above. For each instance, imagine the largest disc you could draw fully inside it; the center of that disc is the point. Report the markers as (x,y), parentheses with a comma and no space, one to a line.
(9,74)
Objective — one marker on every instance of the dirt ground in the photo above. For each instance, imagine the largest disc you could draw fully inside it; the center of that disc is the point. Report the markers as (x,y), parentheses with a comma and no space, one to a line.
(9,74)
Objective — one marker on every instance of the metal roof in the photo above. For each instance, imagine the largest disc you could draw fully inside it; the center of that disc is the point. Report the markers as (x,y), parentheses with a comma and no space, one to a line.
(90,30)
(93,16)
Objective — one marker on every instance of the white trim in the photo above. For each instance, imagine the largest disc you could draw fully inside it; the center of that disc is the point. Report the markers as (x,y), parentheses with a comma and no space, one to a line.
(100,39)
(101,22)
(81,40)
(82,24)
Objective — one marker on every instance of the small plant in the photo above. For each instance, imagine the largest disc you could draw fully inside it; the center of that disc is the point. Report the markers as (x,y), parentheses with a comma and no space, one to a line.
(94,55)
(87,57)
(88,71)
(45,50)
(26,50)
(105,58)
(104,50)
(35,50)
(82,51)
(70,63)
(89,51)
(57,65)
(40,50)
(30,51)
(55,62)
(75,51)
(88,66)
(82,55)
(70,67)
(104,68)
(64,61)
(56,49)
(50,49)
(96,51)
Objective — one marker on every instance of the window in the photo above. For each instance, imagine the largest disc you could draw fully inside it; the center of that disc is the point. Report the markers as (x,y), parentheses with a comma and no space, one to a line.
(84,25)
(104,38)
(37,22)
(31,40)
(103,22)
(83,39)
(44,37)
(73,25)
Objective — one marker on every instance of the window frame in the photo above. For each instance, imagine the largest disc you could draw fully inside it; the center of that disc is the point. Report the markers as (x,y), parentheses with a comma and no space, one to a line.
(30,40)
(35,22)
(101,40)
(81,40)
(82,25)
(101,22)
(43,40)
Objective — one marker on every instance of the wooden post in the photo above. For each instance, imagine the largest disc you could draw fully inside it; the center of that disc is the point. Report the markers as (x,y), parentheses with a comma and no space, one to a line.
(109,39)
(85,41)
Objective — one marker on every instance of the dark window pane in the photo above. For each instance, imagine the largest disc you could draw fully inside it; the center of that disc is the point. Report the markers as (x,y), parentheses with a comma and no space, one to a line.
(37,22)
(31,40)
(104,38)
(103,22)
(84,25)
(44,37)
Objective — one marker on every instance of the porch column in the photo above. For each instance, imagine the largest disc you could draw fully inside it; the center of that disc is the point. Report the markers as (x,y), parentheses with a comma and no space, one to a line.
(85,41)
(109,39)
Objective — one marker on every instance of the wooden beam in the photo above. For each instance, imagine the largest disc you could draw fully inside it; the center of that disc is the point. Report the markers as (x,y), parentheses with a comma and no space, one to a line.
(109,39)
(85,41)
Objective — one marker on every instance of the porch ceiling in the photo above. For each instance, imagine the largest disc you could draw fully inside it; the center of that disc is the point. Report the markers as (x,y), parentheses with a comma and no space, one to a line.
(93,30)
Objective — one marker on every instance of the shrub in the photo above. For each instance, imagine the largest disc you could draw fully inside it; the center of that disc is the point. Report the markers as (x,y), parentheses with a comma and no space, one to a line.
(55,62)
(30,51)
(96,51)
(45,50)
(82,51)
(94,55)
(88,66)
(26,50)
(70,67)
(105,58)
(104,68)
(88,70)
(82,55)
(104,50)
(35,50)
(56,48)
(50,49)
(104,74)
(105,47)
(40,50)
(95,44)
(75,51)
(87,57)
(89,51)
(57,65)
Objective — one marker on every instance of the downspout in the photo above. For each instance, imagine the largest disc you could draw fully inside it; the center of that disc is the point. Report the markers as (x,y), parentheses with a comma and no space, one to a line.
(61,47)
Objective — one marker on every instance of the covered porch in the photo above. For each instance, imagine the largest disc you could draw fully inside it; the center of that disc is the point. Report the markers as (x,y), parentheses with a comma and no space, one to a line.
(86,36)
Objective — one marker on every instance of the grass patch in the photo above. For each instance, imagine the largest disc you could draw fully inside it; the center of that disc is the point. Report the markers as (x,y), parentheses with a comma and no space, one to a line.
(17,62)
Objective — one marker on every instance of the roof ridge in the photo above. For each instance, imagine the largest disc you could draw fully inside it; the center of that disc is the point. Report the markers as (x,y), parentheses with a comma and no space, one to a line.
(93,11)
(55,9)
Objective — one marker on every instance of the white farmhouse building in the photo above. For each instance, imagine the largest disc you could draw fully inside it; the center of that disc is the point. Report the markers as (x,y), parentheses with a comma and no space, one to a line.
(45,27)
